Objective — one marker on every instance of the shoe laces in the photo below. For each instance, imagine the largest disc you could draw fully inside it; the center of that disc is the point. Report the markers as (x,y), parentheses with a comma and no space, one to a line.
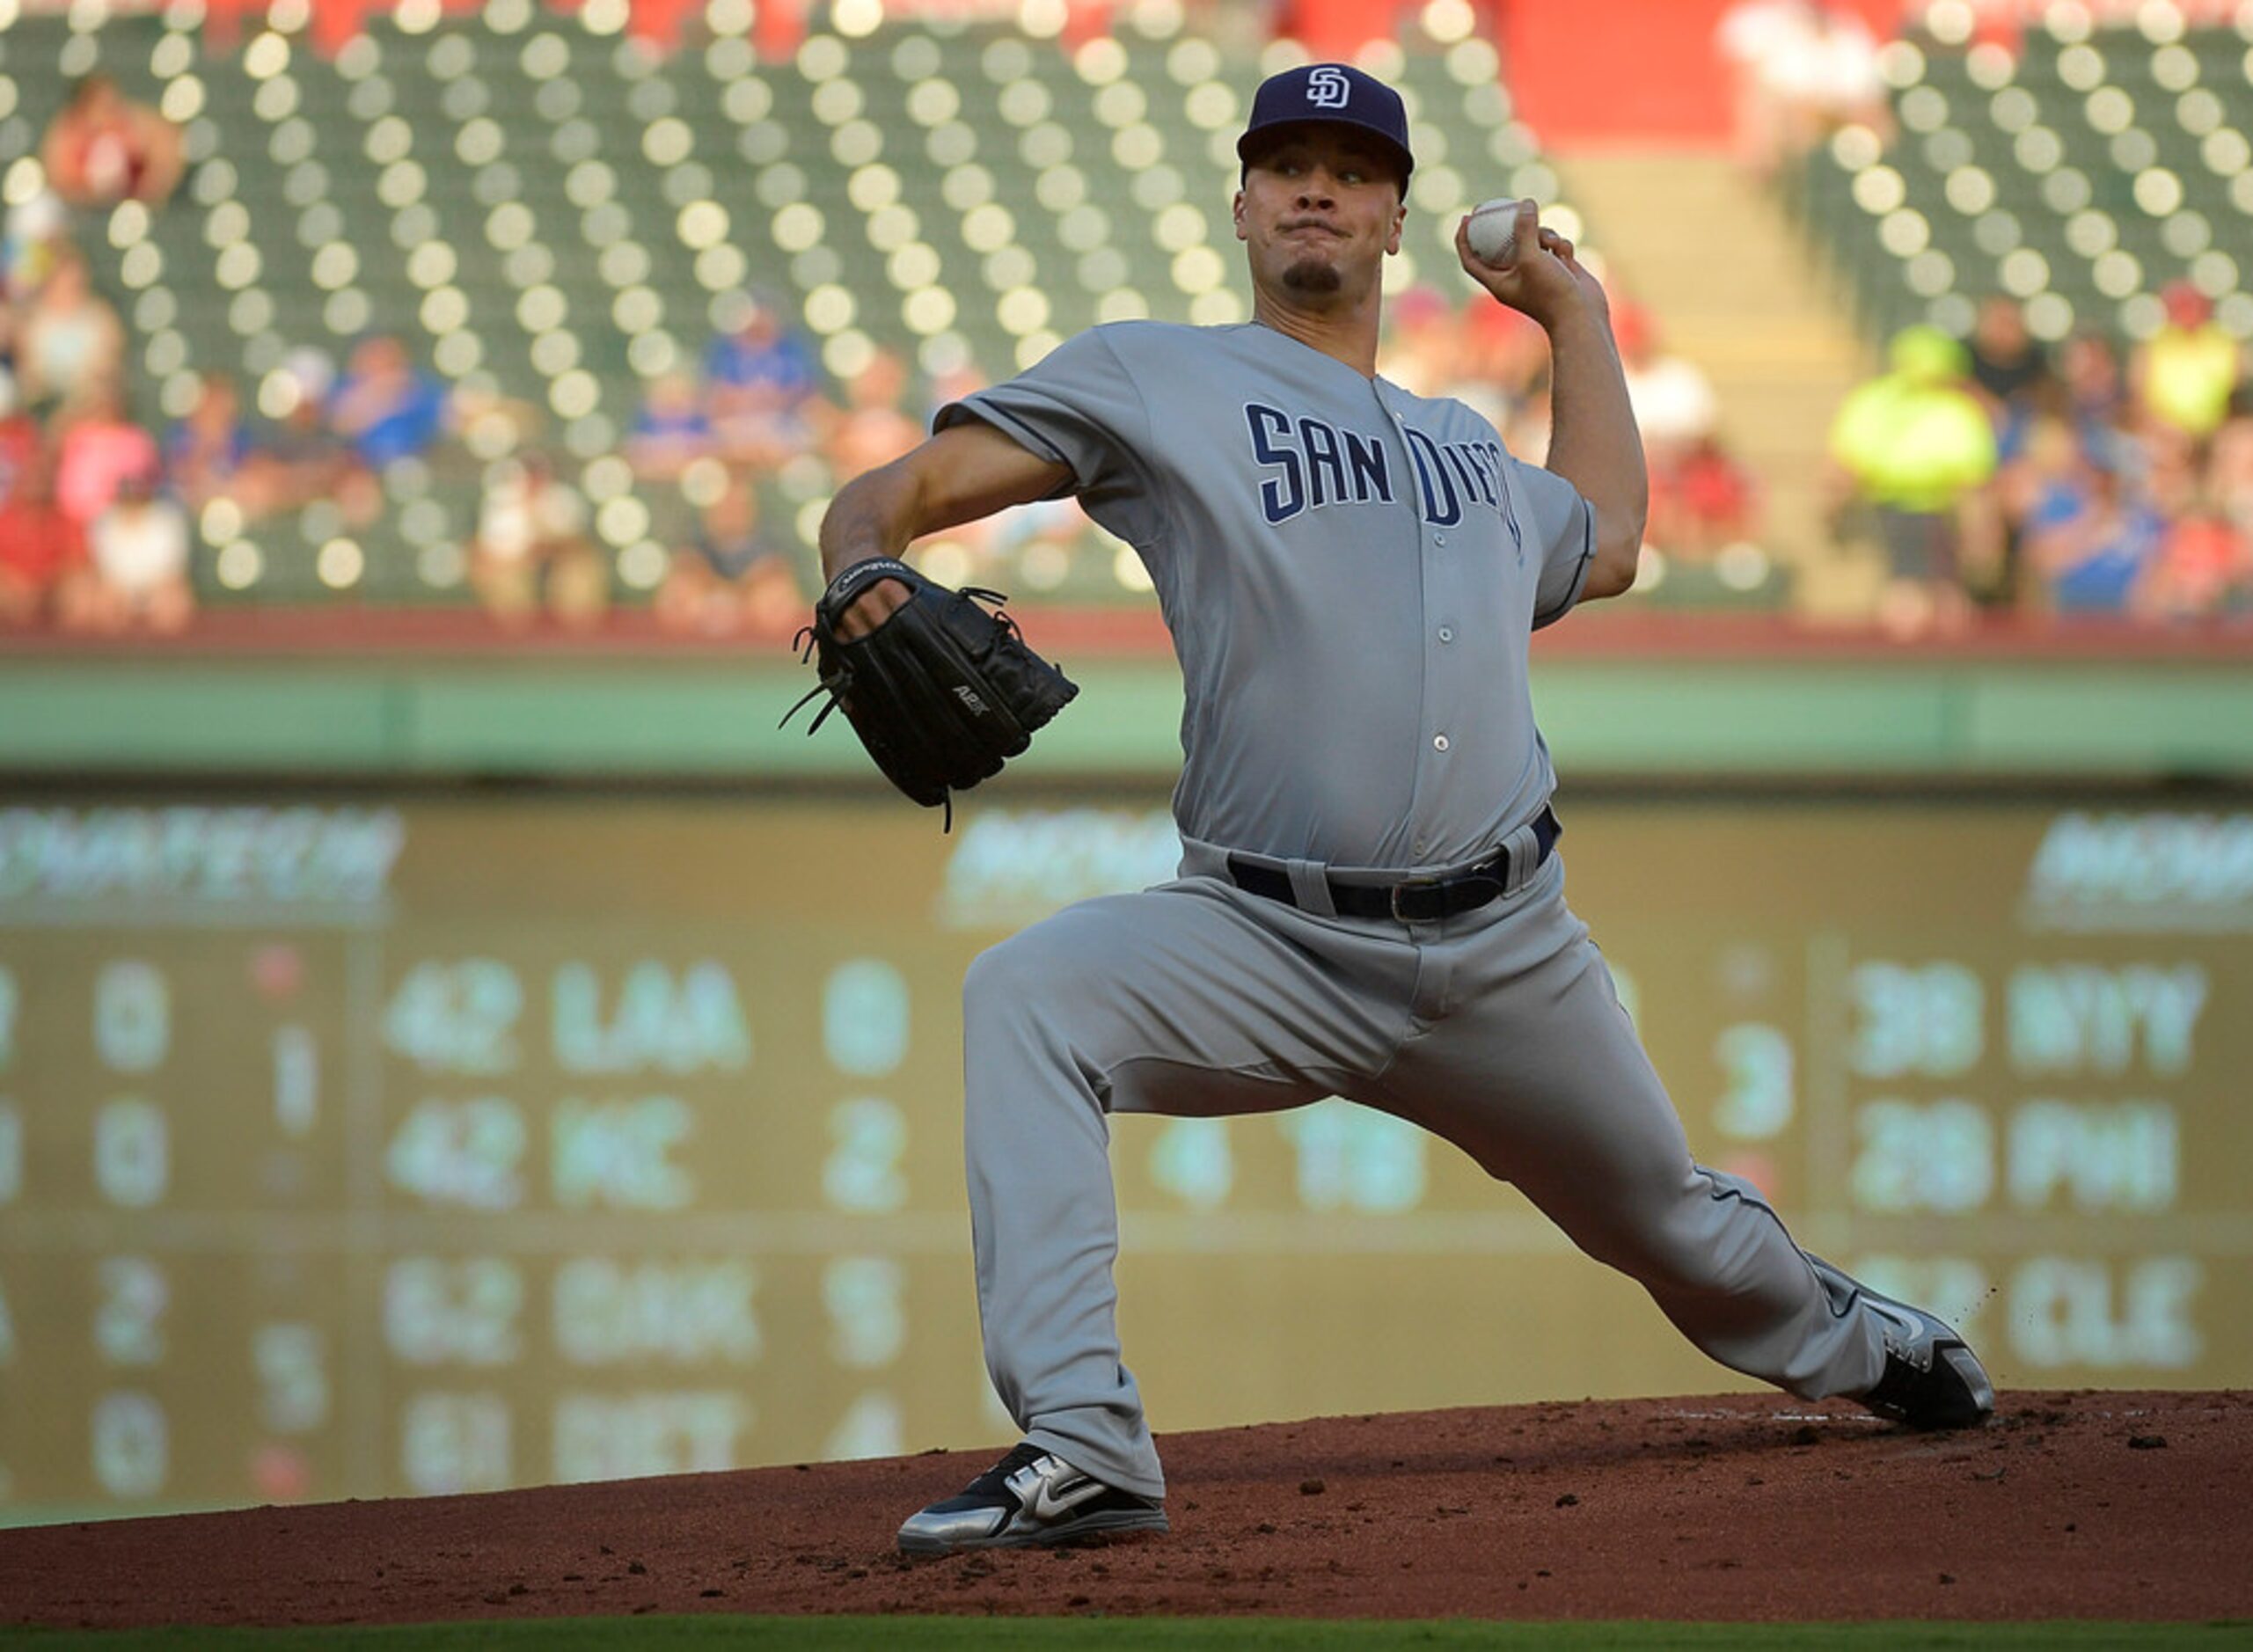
(996,1478)
(1908,1345)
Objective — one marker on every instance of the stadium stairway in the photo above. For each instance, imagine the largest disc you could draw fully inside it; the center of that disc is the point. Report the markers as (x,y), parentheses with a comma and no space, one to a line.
(1729,280)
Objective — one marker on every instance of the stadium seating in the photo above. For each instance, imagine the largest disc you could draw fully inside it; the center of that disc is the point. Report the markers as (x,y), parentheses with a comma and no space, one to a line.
(550,212)
(2080,175)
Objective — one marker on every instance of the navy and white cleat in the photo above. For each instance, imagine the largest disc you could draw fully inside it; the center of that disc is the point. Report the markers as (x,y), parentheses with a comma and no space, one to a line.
(1030,1496)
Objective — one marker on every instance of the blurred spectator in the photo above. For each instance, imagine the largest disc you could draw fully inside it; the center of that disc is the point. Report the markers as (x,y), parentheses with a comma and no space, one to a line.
(217,453)
(386,406)
(2096,396)
(2012,375)
(2183,375)
(304,459)
(1503,348)
(2009,364)
(1801,69)
(670,431)
(1529,427)
(1913,448)
(42,550)
(103,148)
(874,428)
(100,449)
(1420,350)
(1672,398)
(139,549)
(487,420)
(1701,499)
(2089,540)
(2229,463)
(1483,353)
(761,382)
(730,577)
(2204,568)
(2170,469)
(22,443)
(2042,459)
(67,338)
(37,233)
(207,454)
(532,552)
(309,375)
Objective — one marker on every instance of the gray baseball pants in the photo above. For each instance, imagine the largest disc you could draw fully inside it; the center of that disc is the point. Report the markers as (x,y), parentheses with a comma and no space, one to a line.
(1498,1030)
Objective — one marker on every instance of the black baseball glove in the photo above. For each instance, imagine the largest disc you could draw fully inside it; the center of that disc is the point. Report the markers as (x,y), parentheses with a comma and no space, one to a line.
(943,692)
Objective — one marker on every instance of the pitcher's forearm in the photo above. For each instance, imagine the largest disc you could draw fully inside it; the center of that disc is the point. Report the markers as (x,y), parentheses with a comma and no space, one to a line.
(964,473)
(872,515)
(1594,444)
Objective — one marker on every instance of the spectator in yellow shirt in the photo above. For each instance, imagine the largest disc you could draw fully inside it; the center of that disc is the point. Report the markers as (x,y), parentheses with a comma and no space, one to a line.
(2183,373)
(1913,449)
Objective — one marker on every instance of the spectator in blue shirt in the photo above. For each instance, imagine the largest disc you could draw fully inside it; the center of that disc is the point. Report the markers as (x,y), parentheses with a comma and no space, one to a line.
(671,430)
(386,406)
(762,385)
(731,575)
(207,453)
(2090,539)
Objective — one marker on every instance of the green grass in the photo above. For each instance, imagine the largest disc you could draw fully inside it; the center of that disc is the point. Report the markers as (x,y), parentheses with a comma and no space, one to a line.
(1170,1635)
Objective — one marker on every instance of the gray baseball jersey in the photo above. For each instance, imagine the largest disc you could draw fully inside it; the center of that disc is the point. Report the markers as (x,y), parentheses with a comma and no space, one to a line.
(1351,575)
(1350,572)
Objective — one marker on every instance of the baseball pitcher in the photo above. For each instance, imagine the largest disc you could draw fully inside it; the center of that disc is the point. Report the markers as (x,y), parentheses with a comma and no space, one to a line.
(1370,903)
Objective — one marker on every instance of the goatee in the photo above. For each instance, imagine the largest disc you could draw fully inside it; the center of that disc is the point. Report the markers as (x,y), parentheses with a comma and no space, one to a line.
(1312,275)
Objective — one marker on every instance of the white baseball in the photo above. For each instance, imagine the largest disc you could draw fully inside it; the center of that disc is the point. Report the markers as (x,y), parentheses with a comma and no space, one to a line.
(1493,232)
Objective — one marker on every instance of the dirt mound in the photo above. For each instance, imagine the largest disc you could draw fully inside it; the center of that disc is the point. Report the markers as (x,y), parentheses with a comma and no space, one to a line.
(2072,1505)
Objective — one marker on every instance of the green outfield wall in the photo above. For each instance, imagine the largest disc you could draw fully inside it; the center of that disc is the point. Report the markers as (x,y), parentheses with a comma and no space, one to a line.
(712,718)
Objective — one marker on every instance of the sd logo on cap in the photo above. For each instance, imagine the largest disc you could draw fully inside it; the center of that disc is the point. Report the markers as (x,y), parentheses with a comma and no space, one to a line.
(1334,94)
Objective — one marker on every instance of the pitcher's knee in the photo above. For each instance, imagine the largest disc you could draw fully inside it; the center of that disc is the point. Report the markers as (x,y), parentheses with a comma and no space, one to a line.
(1035,987)
(1029,1052)
(1053,1010)
(992,977)
(1023,970)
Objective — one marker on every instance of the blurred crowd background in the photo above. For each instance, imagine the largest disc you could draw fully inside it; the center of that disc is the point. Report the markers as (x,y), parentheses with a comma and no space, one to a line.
(575,320)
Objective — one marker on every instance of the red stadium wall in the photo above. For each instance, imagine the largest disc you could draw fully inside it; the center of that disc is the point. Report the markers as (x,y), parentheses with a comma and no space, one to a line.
(1606,71)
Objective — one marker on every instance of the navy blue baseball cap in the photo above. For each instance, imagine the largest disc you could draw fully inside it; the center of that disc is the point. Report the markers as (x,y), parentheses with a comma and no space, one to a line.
(1334,94)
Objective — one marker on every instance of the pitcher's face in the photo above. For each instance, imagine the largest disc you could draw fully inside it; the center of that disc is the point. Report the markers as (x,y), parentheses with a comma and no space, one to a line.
(1318,212)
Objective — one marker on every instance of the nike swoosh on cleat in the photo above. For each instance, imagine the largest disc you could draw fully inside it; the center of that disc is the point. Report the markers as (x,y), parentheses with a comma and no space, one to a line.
(1047,1502)
(1913,1331)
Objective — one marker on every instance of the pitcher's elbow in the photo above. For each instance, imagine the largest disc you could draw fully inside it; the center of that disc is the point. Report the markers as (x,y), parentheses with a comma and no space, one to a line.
(1612,569)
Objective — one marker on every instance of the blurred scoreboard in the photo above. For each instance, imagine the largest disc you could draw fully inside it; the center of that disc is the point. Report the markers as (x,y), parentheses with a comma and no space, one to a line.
(355,1146)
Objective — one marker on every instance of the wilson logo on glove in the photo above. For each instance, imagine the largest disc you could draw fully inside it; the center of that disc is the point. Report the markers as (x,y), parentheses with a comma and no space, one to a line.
(943,692)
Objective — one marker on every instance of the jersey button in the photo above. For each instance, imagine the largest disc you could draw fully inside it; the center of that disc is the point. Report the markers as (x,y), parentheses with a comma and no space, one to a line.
(1447,633)
(1439,742)
(1439,538)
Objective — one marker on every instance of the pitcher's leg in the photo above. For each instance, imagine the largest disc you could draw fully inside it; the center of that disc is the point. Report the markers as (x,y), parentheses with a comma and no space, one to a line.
(1539,1075)
(1044,1230)
(1164,1002)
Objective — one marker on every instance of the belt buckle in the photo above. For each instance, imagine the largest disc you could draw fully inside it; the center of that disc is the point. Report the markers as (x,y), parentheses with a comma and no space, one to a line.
(1417,885)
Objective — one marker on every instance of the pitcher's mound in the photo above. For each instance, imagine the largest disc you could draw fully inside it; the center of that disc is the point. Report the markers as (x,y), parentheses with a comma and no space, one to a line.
(2072,1505)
